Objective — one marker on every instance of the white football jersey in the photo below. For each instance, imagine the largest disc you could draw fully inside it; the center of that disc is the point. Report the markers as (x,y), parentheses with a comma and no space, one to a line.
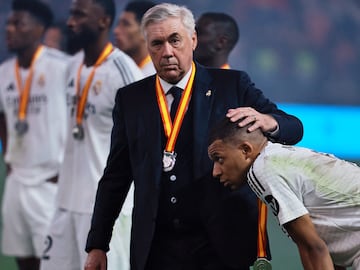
(294,181)
(85,159)
(36,155)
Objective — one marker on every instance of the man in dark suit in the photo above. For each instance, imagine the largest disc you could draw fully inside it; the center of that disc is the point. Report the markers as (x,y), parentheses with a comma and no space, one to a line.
(182,218)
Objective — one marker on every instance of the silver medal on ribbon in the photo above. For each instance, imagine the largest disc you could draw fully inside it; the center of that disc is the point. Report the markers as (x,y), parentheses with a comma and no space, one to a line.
(78,132)
(262,264)
(169,159)
(21,127)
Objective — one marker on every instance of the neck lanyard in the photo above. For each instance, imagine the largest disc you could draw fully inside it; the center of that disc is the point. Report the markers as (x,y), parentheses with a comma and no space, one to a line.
(262,263)
(84,93)
(172,129)
(24,91)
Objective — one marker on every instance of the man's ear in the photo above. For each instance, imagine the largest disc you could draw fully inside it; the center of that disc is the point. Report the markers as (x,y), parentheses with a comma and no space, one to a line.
(247,149)
(104,22)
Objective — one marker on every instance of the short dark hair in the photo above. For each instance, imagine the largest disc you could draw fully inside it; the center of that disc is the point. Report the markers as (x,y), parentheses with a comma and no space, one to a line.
(38,9)
(109,8)
(231,132)
(223,130)
(139,8)
(230,26)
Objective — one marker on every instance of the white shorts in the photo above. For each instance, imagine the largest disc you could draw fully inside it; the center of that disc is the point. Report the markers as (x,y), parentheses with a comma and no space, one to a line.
(26,215)
(66,241)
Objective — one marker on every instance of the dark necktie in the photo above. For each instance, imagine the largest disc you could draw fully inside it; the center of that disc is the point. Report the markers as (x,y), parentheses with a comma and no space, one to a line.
(176,92)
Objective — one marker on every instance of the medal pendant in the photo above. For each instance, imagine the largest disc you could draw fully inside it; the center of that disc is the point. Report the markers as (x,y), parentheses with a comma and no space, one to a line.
(169,159)
(21,127)
(78,132)
(262,264)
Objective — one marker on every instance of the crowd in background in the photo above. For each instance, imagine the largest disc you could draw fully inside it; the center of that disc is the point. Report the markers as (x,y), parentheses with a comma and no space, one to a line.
(298,51)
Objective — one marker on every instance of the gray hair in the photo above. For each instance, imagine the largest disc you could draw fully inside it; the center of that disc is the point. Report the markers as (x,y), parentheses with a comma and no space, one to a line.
(164,11)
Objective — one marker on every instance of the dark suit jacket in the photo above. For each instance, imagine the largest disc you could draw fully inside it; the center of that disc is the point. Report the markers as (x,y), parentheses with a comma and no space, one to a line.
(136,154)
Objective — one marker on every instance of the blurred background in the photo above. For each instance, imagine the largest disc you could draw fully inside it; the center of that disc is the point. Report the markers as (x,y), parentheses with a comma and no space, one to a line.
(304,55)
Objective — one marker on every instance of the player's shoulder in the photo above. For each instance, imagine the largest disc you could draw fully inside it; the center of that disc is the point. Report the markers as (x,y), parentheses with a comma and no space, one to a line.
(121,64)
(7,63)
(56,55)
(118,57)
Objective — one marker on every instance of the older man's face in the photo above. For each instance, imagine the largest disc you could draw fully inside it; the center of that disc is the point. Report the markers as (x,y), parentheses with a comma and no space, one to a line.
(171,48)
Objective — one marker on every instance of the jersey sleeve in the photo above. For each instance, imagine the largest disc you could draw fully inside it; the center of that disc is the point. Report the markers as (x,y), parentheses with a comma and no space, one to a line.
(279,190)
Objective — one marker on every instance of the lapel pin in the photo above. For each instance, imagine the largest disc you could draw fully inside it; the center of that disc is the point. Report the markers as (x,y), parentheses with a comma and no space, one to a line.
(208,93)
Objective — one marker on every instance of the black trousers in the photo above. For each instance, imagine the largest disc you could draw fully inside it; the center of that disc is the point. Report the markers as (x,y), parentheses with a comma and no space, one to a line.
(184,251)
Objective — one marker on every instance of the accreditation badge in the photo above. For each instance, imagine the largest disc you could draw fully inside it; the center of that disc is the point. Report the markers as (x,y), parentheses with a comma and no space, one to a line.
(169,159)
(262,264)
(21,127)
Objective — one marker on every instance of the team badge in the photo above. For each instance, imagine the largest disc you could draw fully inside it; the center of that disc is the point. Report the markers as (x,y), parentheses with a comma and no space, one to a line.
(41,80)
(97,87)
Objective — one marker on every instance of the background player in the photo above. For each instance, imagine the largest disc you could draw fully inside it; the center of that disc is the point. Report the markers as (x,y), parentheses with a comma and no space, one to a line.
(33,121)
(96,74)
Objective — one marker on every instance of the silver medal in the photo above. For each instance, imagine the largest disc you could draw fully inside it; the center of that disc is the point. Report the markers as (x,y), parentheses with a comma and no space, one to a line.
(21,127)
(262,264)
(169,159)
(78,132)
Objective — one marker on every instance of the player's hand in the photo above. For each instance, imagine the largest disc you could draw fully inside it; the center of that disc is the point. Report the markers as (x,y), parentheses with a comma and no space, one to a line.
(96,260)
(249,115)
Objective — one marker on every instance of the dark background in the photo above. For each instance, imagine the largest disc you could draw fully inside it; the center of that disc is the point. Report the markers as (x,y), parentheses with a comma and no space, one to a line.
(295,50)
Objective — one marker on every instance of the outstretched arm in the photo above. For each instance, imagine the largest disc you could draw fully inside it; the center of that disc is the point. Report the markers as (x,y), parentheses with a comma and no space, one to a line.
(313,250)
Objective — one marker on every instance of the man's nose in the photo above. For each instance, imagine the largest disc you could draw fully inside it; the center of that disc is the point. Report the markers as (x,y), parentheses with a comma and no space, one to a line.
(168,50)
(216,171)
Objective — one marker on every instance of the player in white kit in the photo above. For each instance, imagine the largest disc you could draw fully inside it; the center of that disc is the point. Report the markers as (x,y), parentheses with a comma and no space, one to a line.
(315,196)
(33,128)
(129,39)
(96,74)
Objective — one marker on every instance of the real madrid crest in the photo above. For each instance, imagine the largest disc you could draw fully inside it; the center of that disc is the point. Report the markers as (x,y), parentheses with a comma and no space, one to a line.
(97,87)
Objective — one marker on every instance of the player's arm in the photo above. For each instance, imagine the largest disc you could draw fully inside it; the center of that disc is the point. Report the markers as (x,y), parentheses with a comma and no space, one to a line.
(313,250)
(96,260)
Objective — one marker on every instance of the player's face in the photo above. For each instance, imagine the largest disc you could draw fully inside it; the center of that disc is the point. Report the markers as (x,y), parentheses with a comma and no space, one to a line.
(230,163)
(22,31)
(53,38)
(171,48)
(127,33)
(206,40)
(84,22)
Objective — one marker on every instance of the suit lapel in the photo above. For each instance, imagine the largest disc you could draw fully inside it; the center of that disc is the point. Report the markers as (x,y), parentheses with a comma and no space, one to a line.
(202,101)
